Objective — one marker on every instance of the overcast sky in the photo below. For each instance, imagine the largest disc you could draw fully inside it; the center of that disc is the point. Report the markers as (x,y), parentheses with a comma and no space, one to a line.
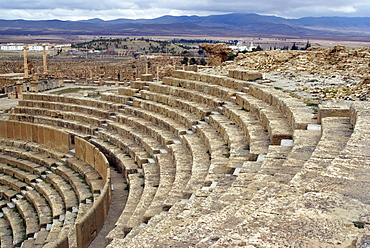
(135,9)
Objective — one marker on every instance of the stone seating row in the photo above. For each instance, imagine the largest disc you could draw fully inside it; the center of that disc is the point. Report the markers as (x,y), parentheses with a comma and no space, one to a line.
(213,79)
(288,149)
(303,188)
(200,110)
(174,150)
(49,177)
(150,105)
(261,139)
(6,239)
(346,131)
(52,196)
(175,114)
(242,184)
(150,184)
(275,122)
(111,106)
(57,114)
(16,225)
(51,121)
(165,162)
(32,191)
(111,97)
(87,110)
(39,164)
(190,94)
(295,109)
(134,100)
(212,118)
(228,94)
(162,186)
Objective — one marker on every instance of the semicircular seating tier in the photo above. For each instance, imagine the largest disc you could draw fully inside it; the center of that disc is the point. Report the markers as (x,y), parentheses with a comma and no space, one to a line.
(209,160)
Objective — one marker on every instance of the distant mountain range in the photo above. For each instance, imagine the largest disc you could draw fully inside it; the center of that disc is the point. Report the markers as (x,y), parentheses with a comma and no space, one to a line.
(229,25)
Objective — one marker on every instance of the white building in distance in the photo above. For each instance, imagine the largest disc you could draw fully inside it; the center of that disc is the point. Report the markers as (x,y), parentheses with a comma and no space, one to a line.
(19,47)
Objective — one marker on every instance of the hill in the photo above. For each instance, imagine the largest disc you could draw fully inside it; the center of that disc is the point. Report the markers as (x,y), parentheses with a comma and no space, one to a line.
(232,25)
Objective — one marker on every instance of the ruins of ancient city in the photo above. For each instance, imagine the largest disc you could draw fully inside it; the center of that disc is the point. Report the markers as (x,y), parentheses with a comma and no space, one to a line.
(270,149)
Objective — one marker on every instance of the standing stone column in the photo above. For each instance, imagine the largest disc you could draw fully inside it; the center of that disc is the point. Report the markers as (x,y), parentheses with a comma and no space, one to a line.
(44,60)
(25,64)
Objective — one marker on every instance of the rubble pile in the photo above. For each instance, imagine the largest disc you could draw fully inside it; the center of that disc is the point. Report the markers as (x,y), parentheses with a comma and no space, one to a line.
(334,73)
(352,92)
(316,60)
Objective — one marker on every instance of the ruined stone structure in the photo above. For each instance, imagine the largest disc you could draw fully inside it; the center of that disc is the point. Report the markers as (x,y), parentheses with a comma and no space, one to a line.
(218,52)
(210,161)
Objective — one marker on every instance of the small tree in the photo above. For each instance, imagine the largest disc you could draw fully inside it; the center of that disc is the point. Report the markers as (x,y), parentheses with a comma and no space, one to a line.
(192,61)
(258,48)
(184,61)
(202,61)
(294,47)
(308,45)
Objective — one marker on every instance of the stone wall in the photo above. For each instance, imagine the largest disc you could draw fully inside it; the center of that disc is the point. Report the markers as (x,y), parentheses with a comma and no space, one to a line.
(45,135)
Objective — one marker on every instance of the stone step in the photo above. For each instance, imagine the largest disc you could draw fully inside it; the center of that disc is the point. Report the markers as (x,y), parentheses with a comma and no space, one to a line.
(96,103)
(29,216)
(273,120)
(67,115)
(216,90)
(128,146)
(67,107)
(191,95)
(258,139)
(200,110)
(184,117)
(16,224)
(42,208)
(151,184)
(6,239)
(164,136)
(63,123)
(78,183)
(166,122)
(135,187)
(167,171)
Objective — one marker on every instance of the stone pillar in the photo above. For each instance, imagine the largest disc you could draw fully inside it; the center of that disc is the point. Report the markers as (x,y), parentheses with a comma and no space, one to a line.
(157,73)
(45,72)
(25,64)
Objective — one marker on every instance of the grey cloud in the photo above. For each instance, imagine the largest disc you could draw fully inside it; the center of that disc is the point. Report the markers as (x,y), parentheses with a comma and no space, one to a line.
(148,9)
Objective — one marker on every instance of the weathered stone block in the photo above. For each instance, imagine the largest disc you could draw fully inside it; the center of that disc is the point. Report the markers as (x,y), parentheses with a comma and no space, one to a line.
(3,129)
(332,110)
(138,84)
(146,77)
(10,129)
(126,91)
(191,68)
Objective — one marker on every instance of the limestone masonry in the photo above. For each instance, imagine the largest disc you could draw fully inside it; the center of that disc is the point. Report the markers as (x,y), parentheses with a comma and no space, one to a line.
(204,157)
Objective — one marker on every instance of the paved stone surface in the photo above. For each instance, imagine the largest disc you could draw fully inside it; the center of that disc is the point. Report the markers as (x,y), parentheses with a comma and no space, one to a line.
(119,197)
